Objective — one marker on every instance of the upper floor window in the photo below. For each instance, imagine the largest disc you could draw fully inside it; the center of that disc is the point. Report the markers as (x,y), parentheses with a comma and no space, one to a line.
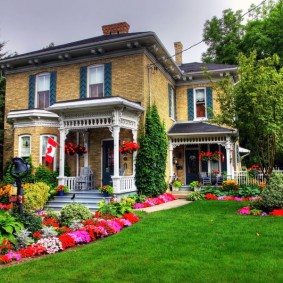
(200,103)
(96,81)
(172,102)
(43,91)
(24,146)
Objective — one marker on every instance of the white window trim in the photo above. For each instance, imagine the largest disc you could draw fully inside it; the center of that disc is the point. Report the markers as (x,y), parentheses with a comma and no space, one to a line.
(205,103)
(36,94)
(41,154)
(20,145)
(88,72)
(172,98)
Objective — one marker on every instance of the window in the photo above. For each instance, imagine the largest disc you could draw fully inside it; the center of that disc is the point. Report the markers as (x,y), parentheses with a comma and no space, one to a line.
(172,103)
(43,145)
(200,103)
(43,91)
(24,146)
(96,81)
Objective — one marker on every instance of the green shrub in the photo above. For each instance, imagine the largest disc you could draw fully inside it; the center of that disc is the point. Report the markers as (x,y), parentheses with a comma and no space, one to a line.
(128,201)
(31,221)
(36,196)
(195,196)
(272,194)
(43,174)
(248,191)
(8,226)
(74,211)
(117,209)
(138,198)
(23,238)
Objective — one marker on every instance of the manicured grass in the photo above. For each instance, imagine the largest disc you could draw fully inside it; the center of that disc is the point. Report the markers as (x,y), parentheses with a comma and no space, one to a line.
(205,241)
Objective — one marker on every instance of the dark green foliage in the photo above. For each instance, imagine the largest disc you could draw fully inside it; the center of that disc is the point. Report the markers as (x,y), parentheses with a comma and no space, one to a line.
(151,157)
(272,194)
(31,221)
(43,174)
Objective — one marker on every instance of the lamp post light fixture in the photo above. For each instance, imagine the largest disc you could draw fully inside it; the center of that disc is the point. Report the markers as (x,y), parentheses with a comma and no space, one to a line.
(19,169)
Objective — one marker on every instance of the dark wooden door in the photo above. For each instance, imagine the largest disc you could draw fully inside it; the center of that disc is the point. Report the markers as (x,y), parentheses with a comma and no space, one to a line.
(107,162)
(192,166)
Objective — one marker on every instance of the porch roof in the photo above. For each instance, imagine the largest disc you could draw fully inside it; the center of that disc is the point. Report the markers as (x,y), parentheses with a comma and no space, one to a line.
(90,103)
(199,128)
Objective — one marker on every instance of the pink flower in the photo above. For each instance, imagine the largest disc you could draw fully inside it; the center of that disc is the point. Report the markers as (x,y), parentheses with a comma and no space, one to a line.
(244,210)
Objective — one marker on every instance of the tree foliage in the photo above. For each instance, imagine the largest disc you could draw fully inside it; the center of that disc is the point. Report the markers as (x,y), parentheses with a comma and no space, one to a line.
(229,35)
(255,107)
(152,155)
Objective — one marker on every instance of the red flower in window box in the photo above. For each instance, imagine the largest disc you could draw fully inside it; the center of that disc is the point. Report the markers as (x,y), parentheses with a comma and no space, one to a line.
(72,148)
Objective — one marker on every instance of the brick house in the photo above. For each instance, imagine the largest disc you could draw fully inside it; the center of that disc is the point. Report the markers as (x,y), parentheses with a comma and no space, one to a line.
(94,93)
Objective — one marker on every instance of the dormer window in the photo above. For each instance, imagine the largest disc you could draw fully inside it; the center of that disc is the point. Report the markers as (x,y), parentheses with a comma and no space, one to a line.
(96,81)
(43,91)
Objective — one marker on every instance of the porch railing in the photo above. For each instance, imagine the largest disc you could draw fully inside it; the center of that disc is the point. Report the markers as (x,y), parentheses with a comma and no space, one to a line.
(127,183)
(243,178)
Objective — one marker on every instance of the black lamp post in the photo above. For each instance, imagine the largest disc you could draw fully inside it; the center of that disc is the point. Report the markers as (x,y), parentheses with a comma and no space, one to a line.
(19,169)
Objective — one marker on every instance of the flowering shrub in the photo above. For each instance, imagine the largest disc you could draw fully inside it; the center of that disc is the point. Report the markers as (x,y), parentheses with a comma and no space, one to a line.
(154,201)
(229,185)
(4,194)
(128,147)
(72,148)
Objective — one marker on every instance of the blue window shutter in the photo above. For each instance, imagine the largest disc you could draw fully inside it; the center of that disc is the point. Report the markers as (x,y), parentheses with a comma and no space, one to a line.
(191,114)
(83,82)
(31,91)
(53,77)
(108,79)
(170,100)
(209,102)
(175,105)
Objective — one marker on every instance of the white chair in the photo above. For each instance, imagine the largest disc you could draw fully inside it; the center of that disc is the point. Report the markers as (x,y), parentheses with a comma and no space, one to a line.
(85,180)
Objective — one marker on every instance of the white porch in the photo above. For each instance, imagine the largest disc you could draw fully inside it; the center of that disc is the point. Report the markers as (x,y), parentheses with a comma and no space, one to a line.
(111,113)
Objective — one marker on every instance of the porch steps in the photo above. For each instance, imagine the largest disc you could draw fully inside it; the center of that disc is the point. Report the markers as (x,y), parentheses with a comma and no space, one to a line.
(90,199)
(183,192)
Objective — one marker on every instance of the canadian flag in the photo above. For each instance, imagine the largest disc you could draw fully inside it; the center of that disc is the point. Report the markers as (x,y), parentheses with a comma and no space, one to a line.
(50,150)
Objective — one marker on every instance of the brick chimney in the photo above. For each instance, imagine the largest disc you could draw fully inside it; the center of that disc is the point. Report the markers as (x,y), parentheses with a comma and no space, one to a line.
(117,28)
(178,52)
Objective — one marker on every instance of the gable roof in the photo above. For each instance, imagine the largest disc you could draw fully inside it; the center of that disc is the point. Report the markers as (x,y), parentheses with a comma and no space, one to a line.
(188,128)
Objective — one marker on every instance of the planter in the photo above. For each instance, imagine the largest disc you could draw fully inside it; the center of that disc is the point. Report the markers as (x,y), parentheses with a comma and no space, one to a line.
(105,194)
(175,188)
(61,193)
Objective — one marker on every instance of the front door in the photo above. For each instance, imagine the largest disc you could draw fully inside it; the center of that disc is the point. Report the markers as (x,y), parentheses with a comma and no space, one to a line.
(192,165)
(107,162)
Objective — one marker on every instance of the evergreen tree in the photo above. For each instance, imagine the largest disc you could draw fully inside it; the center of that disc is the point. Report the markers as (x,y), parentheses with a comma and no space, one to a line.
(151,157)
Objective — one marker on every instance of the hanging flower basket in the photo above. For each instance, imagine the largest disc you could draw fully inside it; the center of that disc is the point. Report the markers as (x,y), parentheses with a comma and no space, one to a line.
(128,147)
(209,155)
(72,149)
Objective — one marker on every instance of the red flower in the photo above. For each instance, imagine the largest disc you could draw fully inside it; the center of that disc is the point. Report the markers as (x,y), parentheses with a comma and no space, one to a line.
(67,241)
(277,212)
(131,217)
(128,147)
(211,196)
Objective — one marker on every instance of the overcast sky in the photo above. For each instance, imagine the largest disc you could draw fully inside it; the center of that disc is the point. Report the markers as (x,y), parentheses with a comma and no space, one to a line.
(29,25)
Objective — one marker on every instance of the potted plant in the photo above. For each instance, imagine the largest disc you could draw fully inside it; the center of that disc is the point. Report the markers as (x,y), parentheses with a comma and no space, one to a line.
(61,190)
(128,147)
(106,190)
(194,185)
(176,185)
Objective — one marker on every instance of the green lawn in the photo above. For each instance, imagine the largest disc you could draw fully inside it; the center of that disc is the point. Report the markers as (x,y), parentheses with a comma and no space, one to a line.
(205,241)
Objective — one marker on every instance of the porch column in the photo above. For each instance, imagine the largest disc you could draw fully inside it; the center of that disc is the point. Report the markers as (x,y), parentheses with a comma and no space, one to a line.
(135,135)
(61,177)
(228,159)
(171,159)
(116,177)
(85,136)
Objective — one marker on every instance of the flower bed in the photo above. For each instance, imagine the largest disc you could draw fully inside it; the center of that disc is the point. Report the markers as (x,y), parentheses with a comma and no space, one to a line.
(247,210)
(90,230)
(155,201)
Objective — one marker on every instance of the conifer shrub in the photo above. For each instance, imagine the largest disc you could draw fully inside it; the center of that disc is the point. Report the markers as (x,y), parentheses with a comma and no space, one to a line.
(272,194)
